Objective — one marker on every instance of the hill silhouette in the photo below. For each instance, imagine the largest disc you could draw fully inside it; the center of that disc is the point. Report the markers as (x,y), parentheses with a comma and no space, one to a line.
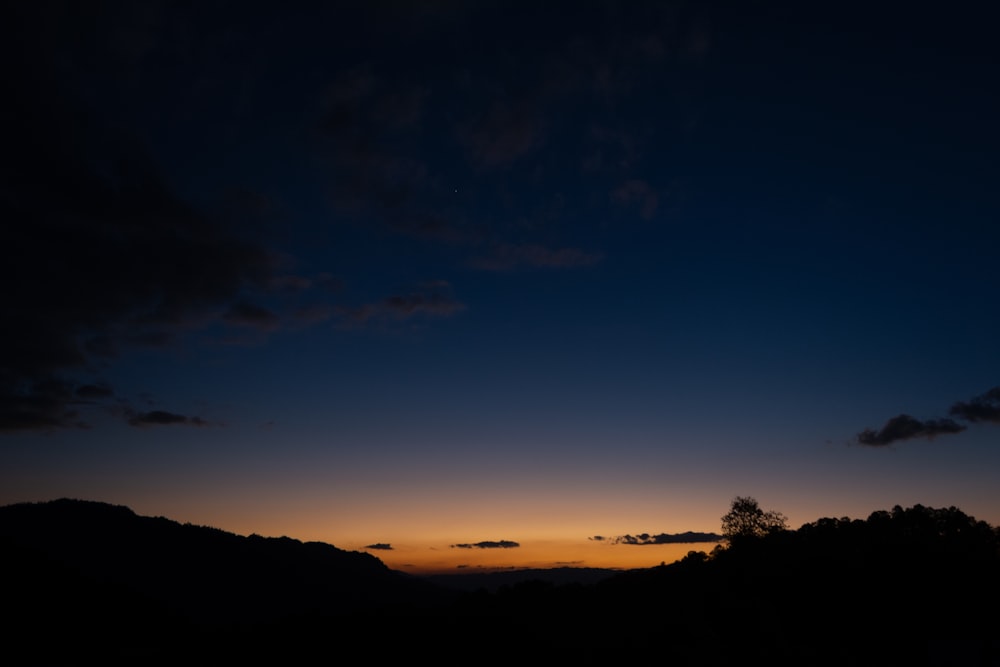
(912,586)
(88,582)
(101,577)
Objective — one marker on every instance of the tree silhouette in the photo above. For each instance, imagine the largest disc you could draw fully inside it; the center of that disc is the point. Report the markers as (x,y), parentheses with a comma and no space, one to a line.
(746,520)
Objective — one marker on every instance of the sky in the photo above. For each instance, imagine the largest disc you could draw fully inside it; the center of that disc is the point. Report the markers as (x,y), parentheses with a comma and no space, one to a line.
(490,284)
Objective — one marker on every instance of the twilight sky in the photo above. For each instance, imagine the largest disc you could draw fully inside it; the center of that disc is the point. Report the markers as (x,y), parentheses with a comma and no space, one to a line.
(490,283)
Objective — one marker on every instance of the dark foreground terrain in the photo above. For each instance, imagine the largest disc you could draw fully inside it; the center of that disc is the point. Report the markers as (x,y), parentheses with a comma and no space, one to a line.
(89,583)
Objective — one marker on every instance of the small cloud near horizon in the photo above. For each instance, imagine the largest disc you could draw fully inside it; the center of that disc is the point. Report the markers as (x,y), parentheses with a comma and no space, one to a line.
(501,544)
(164,418)
(688,537)
(380,546)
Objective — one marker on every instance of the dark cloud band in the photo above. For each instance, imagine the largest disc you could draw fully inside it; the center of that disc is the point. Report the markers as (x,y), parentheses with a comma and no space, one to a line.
(501,544)
(688,537)
(905,427)
(983,408)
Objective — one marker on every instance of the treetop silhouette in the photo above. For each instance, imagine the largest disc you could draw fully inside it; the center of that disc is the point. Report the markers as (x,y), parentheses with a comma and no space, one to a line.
(746,520)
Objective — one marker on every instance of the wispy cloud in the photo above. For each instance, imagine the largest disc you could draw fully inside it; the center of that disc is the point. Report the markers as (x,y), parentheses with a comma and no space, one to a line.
(164,418)
(107,254)
(905,427)
(983,408)
(638,193)
(247,314)
(94,391)
(501,544)
(502,135)
(432,299)
(379,546)
(104,253)
(45,404)
(688,537)
(508,256)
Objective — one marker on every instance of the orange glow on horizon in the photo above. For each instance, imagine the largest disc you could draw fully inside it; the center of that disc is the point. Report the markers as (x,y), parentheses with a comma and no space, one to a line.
(427,559)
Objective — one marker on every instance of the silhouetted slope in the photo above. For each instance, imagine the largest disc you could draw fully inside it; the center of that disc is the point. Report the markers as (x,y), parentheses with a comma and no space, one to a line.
(85,566)
(86,581)
(907,587)
(911,586)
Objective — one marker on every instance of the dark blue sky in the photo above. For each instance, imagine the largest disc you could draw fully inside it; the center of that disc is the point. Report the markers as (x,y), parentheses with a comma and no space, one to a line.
(610,263)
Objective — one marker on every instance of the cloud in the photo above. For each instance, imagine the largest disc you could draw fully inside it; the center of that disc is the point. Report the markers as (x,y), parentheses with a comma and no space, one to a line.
(314,313)
(407,305)
(246,314)
(983,408)
(371,136)
(515,115)
(360,101)
(502,135)
(94,391)
(432,299)
(163,418)
(502,544)
(638,193)
(46,404)
(370,129)
(105,255)
(688,537)
(291,284)
(507,257)
(380,546)
(905,427)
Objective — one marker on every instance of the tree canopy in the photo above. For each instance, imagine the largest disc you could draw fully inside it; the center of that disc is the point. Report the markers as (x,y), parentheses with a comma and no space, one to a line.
(746,520)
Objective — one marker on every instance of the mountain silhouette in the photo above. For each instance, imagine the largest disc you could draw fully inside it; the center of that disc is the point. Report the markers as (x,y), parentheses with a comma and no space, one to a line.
(96,574)
(88,583)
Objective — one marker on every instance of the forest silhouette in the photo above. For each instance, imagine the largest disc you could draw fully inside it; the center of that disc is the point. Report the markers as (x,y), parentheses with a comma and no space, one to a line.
(88,582)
